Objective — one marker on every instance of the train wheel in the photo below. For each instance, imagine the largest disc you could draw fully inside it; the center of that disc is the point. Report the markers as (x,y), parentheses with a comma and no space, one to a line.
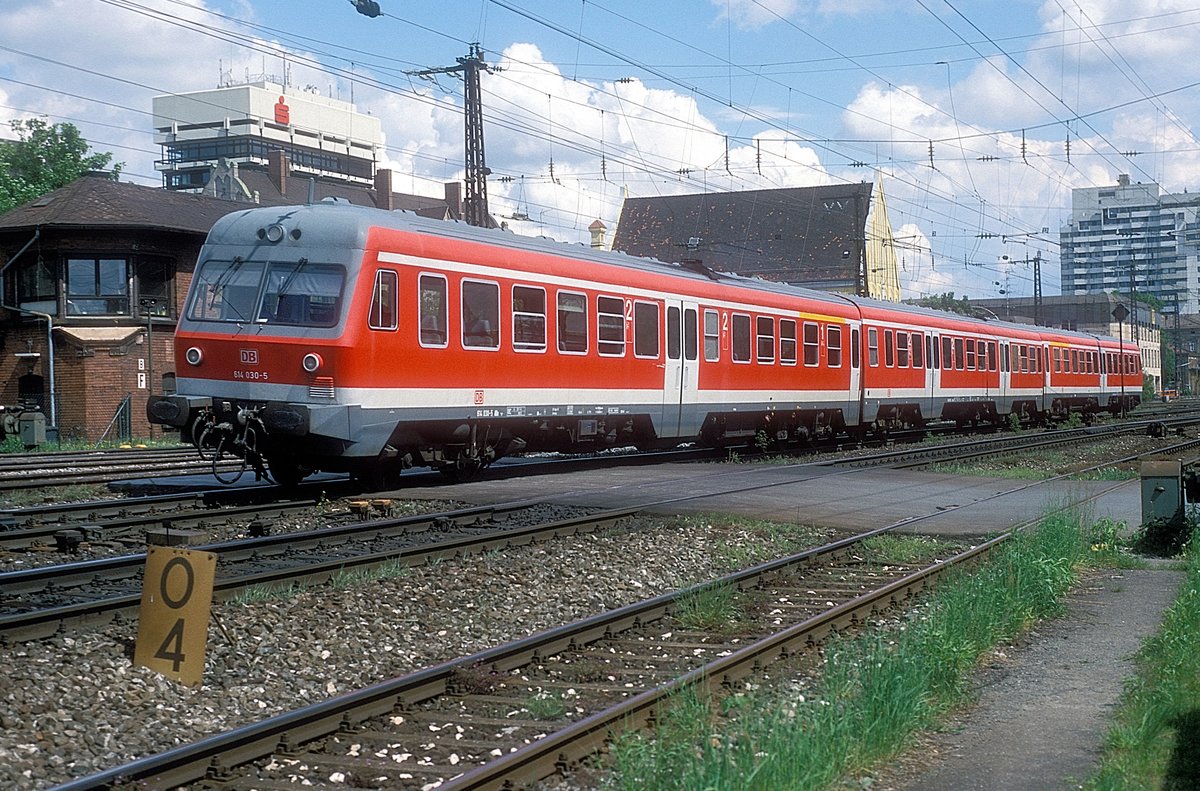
(286,472)
(461,469)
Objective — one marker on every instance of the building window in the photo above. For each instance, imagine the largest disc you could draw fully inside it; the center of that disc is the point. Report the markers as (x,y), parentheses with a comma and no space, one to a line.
(97,286)
(154,277)
(37,287)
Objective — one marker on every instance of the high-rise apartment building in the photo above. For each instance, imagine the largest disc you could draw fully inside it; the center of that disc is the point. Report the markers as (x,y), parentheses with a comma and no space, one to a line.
(1133,238)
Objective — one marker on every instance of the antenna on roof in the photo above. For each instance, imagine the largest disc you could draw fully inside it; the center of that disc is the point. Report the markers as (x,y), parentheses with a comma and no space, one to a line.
(312,190)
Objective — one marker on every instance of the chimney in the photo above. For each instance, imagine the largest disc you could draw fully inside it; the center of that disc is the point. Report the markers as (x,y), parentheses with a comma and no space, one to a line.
(597,229)
(1123,180)
(384,198)
(277,170)
(454,199)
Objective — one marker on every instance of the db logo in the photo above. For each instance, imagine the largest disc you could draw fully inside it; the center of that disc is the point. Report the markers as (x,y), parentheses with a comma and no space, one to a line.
(478,397)
(249,356)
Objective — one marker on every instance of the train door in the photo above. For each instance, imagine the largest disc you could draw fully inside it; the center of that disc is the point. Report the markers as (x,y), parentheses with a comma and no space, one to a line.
(854,407)
(933,370)
(681,376)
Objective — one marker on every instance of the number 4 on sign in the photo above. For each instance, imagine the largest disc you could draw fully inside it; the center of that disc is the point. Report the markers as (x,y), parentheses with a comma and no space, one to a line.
(173,621)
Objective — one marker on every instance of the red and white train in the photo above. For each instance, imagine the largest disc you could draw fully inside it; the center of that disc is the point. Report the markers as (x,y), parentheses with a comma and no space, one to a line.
(335,337)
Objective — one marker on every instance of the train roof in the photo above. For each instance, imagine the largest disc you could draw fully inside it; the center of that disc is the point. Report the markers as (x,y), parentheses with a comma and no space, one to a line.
(338,223)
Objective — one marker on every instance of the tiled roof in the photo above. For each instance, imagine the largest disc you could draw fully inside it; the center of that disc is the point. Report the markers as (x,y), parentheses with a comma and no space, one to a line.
(796,235)
(95,200)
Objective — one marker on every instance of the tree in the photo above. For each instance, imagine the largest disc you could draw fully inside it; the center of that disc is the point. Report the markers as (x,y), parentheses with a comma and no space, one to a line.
(44,157)
(948,302)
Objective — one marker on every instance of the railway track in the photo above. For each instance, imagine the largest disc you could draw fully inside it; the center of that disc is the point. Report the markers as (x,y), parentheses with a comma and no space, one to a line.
(43,470)
(733,486)
(472,723)
(40,601)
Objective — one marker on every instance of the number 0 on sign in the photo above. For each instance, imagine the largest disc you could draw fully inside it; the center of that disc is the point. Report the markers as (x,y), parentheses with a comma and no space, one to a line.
(173,621)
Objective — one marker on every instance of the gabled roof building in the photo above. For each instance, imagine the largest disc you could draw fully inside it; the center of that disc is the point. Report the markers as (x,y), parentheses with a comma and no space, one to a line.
(810,236)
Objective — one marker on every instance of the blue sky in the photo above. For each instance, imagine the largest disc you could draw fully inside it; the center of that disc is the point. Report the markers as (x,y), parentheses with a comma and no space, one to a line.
(965,109)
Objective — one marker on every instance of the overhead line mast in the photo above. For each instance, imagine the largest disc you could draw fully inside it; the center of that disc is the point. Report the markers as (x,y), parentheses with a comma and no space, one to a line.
(475,202)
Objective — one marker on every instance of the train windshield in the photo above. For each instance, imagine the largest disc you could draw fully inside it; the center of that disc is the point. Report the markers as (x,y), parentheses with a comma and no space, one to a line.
(298,293)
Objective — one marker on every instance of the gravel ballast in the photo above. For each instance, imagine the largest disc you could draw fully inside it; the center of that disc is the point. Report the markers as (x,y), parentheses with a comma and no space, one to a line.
(75,704)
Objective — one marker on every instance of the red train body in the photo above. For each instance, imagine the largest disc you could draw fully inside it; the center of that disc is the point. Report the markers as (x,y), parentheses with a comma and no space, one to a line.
(334,337)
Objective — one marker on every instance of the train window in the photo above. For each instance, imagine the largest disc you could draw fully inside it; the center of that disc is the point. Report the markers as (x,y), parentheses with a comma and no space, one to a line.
(301,293)
(812,343)
(991,355)
(787,341)
(610,326)
(432,308)
(960,358)
(672,333)
(971,354)
(855,352)
(690,349)
(1074,361)
(902,349)
(645,330)
(480,315)
(764,339)
(873,347)
(947,353)
(1056,359)
(935,352)
(833,346)
(529,319)
(918,347)
(741,338)
(383,301)
(226,290)
(889,349)
(712,336)
(572,323)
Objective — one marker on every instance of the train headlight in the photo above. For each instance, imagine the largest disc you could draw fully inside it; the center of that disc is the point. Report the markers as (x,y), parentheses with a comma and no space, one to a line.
(311,362)
(274,233)
(193,355)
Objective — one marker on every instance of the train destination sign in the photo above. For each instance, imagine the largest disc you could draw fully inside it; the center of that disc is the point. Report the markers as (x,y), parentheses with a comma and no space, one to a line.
(177,592)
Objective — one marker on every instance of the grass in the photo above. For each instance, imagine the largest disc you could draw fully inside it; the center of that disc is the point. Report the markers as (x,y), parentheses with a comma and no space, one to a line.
(545,706)
(875,691)
(716,609)
(1154,741)
(258,594)
(746,542)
